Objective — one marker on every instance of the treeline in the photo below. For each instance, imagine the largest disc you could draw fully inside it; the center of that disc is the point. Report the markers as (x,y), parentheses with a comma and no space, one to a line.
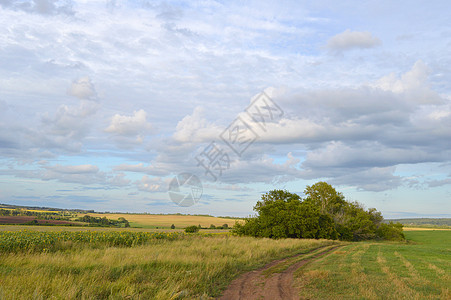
(104,222)
(40,215)
(323,213)
(446,222)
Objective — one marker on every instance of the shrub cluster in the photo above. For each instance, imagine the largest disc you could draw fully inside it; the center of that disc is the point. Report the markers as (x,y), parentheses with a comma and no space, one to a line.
(104,222)
(323,213)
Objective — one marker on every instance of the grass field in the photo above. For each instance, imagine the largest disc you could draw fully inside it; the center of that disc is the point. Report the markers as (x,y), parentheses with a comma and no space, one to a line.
(418,269)
(188,266)
(106,263)
(165,221)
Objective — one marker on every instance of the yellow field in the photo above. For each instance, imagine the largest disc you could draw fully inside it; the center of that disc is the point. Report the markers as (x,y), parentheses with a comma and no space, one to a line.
(180,221)
(423,228)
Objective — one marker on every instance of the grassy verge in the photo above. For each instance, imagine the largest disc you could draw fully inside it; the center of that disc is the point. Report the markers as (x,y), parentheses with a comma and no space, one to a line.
(417,269)
(190,267)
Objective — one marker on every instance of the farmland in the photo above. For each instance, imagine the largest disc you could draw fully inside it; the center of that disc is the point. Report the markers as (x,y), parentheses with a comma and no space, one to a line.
(165,221)
(139,263)
(47,216)
(418,269)
(184,266)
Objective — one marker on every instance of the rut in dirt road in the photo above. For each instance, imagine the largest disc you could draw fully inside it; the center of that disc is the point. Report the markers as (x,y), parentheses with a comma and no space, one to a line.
(256,285)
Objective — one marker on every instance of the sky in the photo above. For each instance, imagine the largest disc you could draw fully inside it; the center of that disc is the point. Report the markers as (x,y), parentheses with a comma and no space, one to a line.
(104,105)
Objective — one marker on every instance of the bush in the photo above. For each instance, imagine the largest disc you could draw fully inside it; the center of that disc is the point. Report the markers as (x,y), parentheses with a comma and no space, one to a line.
(192,229)
(391,232)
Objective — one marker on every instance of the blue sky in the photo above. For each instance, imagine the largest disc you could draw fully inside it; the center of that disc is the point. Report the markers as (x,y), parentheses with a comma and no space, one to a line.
(102,103)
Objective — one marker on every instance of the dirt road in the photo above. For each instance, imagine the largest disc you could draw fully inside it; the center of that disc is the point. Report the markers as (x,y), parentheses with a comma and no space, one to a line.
(259,284)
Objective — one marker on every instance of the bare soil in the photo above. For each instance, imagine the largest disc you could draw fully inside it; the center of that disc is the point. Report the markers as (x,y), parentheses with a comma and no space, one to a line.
(256,285)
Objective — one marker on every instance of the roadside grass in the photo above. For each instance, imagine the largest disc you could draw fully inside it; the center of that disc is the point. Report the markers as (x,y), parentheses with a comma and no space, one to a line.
(194,266)
(417,269)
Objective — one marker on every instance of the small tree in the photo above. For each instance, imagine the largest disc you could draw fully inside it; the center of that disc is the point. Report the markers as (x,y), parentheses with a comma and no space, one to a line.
(192,229)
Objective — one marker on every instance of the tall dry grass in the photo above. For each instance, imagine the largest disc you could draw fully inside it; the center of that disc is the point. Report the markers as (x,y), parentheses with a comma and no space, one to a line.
(188,268)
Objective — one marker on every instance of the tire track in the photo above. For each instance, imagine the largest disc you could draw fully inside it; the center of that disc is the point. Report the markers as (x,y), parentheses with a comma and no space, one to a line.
(255,285)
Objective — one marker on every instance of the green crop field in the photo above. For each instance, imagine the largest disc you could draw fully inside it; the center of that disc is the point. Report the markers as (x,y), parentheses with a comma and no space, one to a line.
(418,269)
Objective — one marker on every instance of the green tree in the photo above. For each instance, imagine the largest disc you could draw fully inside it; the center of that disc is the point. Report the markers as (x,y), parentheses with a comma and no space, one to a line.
(281,214)
(324,213)
(324,196)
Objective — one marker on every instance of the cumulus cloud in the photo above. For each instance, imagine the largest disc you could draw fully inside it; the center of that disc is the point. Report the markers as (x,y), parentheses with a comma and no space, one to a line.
(351,40)
(82,88)
(129,125)
(195,128)
(367,130)
(413,83)
(152,184)
(130,130)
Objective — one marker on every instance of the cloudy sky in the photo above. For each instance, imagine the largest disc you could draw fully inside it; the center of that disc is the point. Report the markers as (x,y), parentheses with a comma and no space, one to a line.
(102,103)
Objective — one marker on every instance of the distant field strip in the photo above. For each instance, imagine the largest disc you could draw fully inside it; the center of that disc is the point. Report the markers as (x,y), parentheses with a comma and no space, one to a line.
(419,269)
(165,221)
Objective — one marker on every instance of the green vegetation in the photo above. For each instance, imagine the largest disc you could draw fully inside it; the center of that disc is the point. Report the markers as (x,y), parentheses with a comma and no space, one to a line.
(104,222)
(192,229)
(417,269)
(51,241)
(186,266)
(324,213)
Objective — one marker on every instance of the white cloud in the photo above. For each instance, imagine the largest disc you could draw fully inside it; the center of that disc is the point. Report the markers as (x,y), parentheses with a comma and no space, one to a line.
(413,83)
(82,88)
(195,128)
(172,61)
(152,184)
(81,174)
(351,40)
(130,125)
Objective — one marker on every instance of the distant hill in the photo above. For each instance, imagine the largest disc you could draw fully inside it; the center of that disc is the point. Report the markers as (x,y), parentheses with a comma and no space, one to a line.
(430,222)
(39,208)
